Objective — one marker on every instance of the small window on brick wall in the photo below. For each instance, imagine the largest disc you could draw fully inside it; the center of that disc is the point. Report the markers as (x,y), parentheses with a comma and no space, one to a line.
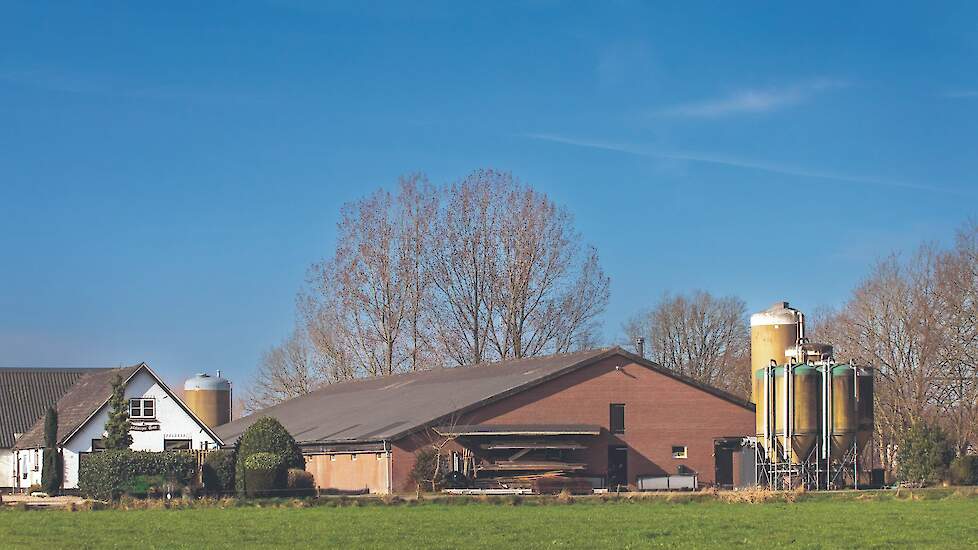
(679,451)
(617,420)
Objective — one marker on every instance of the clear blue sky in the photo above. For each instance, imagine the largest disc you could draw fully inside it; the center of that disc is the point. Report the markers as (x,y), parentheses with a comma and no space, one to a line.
(168,170)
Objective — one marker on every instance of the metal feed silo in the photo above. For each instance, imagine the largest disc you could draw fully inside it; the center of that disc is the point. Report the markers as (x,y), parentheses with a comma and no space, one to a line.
(864,407)
(845,422)
(773,331)
(209,397)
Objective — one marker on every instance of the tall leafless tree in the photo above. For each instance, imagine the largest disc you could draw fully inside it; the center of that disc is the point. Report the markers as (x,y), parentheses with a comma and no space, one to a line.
(287,370)
(914,320)
(700,336)
(486,268)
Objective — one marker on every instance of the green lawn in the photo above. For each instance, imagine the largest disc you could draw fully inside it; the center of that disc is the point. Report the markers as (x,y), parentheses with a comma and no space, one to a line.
(814,522)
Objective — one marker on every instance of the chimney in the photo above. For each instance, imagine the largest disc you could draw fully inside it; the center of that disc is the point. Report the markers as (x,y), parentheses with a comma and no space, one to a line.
(640,346)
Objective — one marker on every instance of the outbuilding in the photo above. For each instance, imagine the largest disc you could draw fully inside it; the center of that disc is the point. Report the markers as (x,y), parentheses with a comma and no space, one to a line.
(607,417)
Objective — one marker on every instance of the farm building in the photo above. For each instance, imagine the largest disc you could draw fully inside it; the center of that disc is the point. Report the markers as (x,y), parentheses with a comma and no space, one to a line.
(25,395)
(607,416)
(160,422)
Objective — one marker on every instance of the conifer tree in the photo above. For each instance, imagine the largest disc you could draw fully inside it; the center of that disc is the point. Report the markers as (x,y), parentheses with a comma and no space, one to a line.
(53,465)
(118,426)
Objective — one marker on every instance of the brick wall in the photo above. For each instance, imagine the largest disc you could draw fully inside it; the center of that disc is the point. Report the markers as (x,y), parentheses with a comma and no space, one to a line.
(660,412)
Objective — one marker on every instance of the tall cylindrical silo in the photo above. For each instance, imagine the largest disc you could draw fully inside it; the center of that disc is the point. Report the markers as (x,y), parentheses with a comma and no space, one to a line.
(772,331)
(209,397)
(864,407)
(845,420)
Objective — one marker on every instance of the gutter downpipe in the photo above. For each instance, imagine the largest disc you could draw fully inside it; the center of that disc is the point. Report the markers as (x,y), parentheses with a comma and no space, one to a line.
(388,449)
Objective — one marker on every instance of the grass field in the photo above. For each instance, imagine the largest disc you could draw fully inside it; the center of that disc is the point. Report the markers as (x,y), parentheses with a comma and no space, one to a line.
(936,520)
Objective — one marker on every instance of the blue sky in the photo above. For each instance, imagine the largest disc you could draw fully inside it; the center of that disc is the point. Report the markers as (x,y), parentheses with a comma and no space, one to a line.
(168,171)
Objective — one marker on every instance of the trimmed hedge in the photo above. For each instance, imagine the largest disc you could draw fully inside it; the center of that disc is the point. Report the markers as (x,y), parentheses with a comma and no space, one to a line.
(109,474)
(266,435)
(263,475)
(964,470)
(218,471)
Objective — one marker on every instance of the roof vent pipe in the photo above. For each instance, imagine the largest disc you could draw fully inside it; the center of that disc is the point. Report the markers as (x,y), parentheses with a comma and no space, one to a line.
(640,346)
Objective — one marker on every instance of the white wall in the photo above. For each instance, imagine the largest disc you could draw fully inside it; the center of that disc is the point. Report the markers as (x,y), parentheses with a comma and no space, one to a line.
(173,421)
(7,468)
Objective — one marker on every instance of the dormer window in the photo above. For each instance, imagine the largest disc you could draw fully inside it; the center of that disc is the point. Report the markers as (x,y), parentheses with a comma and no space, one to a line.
(142,409)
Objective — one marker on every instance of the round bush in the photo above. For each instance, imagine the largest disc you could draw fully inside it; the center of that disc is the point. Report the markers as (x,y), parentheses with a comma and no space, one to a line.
(266,435)
(263,475)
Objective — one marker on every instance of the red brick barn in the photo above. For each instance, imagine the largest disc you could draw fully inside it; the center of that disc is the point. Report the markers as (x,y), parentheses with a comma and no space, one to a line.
(607,416)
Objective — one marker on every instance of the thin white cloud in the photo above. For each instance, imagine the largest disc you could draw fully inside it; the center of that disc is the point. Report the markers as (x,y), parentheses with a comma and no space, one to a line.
(747,164)
(752,100)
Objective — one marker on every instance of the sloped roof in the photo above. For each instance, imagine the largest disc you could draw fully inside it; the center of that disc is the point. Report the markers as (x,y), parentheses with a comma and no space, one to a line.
(87,397)
(26,394)
(84,399)
(387,408)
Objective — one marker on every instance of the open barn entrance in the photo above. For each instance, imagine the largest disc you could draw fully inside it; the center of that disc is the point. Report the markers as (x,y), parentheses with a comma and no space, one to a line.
(522,456)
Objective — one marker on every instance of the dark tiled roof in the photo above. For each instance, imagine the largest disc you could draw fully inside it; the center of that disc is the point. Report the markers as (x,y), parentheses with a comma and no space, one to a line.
(84,398)
(387,408)
(26,394)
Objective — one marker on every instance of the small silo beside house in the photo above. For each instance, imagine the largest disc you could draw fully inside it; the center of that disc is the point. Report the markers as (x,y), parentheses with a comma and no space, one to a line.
(209,397)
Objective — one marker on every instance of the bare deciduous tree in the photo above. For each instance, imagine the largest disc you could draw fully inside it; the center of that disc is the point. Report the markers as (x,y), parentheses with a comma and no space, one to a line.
(285,371)
(699,336)
(483,269)
(915,321)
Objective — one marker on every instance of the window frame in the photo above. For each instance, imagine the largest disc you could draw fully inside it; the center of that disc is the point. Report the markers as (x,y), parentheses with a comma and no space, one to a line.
(142,408)
(612,407)
(680,455)
(98,445)
(190,444)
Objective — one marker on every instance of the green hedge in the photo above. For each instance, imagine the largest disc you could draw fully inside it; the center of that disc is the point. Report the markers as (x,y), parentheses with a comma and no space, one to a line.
(264,475)
(109,474)
(964,470)
(218,471)
(266,435)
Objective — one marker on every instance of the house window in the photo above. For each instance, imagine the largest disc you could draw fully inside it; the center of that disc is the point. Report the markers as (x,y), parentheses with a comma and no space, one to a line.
(617,421)
(37,460)
(97,445)
(679,451)
(142,408)
(177,444)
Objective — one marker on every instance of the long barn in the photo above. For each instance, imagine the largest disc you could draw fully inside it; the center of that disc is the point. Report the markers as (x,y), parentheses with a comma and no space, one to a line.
(607,416)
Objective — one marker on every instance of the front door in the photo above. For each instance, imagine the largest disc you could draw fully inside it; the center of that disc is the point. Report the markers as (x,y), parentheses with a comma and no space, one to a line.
(723,459)
(617,466)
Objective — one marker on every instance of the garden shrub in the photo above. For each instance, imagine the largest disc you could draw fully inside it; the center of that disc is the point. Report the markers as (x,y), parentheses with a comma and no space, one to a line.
(264,475)
(300,483)
(923,455)
(218,471)
(109,474)
(266,435)
(964,470)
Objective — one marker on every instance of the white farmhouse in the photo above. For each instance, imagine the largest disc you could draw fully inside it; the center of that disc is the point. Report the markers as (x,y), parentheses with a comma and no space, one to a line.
(25,395)
(160,422)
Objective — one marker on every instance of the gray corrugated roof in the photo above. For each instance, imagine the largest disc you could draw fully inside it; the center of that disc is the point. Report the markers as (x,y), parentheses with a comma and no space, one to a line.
(26,394)
(78,404)
(387,408)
